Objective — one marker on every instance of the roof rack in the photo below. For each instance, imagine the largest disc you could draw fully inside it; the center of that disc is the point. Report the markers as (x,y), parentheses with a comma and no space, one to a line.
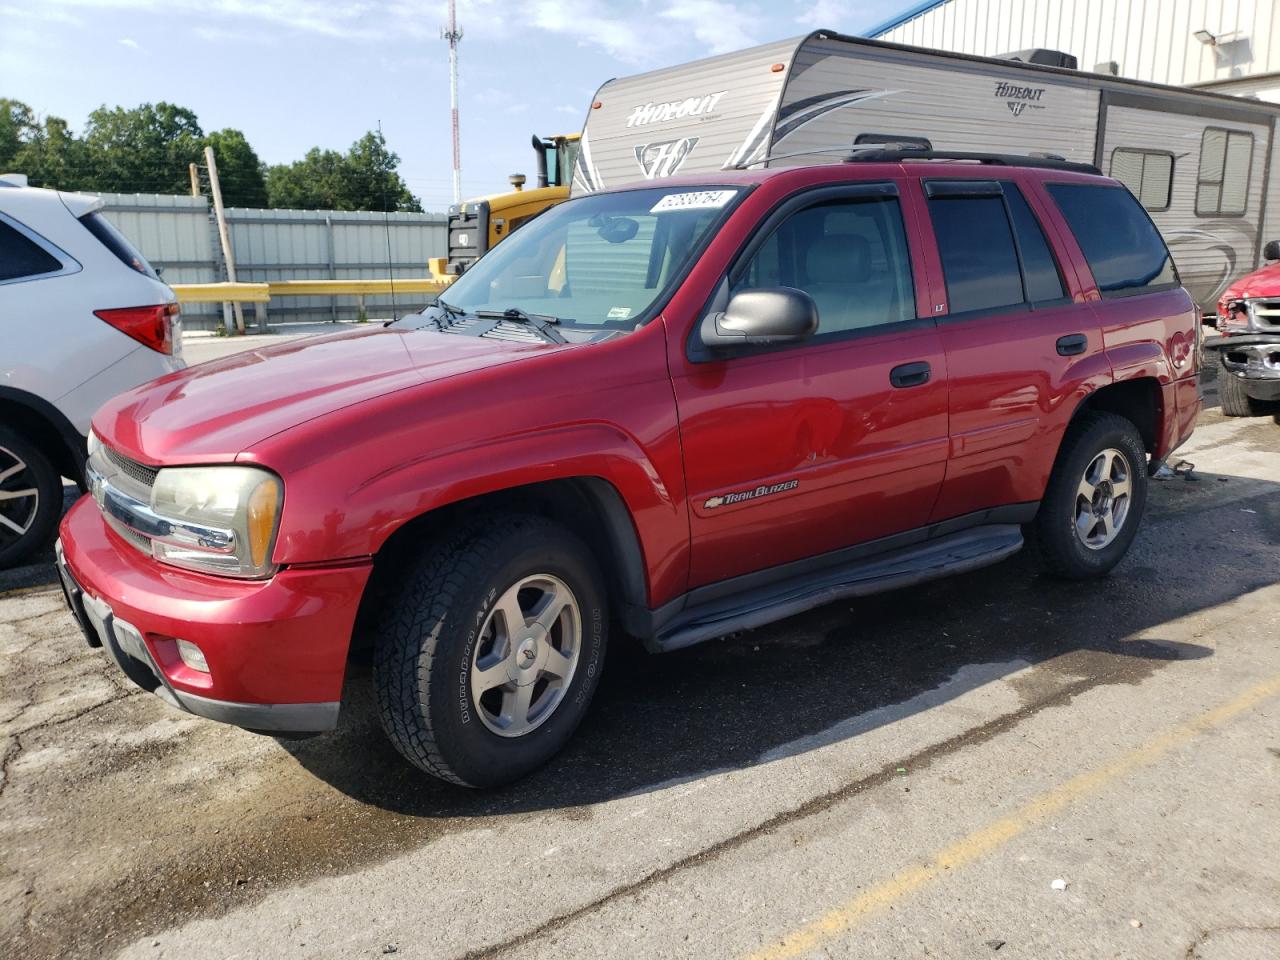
(893,153)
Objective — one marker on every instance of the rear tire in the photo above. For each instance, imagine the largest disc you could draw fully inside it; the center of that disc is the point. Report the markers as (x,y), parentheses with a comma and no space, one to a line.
(1094,501)
(488,656)
(30,498)
(1236,402)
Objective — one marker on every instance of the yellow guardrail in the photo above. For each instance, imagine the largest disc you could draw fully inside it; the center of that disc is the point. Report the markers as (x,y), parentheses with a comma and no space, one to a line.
(356,288)
(221,292)
(260,294)
(263,292)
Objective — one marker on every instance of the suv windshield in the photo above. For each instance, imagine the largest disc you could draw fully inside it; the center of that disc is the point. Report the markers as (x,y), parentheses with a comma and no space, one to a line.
(599,262)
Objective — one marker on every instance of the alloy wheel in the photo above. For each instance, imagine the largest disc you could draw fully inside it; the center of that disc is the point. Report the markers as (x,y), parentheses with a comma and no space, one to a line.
(526,655)
(19,497)
(1103,498)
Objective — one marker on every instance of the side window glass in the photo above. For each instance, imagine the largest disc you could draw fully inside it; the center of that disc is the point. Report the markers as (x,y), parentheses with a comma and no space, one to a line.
(1222,188)
(975,242)
(1147,173)
(1039,269)
(850,256)
(1125,252)
(20,257)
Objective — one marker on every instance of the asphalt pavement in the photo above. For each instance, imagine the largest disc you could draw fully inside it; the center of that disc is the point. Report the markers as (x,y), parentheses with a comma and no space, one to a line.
(997,765)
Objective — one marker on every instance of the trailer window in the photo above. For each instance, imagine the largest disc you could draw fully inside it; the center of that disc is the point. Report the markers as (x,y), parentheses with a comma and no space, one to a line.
(1147,173)
(1125,251)
(850,256)
(1226,159)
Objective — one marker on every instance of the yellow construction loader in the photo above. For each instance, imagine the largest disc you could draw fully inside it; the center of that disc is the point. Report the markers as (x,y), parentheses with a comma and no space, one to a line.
(476,225)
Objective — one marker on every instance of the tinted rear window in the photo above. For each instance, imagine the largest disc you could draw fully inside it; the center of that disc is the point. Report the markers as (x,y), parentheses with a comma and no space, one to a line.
(1125,251)
(115,241)
(21,257)
(1039,269)
(979,262)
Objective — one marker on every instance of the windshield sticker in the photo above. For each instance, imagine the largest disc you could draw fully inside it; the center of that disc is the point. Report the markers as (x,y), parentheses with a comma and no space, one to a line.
(619,313)
(696,200)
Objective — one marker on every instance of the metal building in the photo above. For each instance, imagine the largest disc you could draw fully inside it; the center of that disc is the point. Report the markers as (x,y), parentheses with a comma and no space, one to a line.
(1223,45)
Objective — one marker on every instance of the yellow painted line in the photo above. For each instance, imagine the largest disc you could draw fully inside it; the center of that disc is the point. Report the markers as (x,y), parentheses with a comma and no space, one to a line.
(998,833)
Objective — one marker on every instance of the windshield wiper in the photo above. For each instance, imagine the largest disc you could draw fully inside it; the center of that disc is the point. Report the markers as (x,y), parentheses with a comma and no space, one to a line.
(540,322)
(453,313)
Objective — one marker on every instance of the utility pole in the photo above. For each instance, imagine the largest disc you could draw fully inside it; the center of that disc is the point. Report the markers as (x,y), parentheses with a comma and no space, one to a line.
(453,35)
(215,187)
(194,171)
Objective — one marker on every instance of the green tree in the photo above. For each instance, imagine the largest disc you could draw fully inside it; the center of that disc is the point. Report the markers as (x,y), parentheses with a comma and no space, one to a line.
(16,123)
(372,179)
(239,169)
(55,157)
(364,178)
(143,150)
(47,152)
(313,183)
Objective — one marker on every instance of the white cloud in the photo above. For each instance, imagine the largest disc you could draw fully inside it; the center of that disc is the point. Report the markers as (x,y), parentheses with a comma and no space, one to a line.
(719,27)
(129,42)
(635,32)
(833,14)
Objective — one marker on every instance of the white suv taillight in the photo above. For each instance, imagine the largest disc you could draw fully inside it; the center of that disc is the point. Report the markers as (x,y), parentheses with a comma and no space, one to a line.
(151,326)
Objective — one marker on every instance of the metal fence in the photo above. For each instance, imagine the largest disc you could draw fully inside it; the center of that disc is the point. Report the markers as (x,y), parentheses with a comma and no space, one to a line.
(178,234)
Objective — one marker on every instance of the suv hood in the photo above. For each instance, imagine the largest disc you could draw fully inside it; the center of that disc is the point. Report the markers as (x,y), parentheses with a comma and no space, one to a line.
(211,412)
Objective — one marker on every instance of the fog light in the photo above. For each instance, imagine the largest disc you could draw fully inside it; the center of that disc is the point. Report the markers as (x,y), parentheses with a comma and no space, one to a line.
(192,656)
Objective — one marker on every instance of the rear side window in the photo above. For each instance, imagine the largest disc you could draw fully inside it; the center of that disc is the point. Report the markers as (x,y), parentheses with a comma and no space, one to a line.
(1125,251)
(979,261)
(1039,269)
(115,241)
(1148,173)
(1225,159)
(21,258)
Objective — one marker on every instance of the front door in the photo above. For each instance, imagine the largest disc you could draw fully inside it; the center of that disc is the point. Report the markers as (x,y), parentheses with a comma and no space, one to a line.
(796,451)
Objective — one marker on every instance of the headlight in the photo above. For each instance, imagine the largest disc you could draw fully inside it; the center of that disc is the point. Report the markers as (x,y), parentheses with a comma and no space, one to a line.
(93,443)
(224,519)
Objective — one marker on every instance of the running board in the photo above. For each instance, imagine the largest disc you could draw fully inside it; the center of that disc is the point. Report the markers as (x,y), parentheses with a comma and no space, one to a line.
(942,557)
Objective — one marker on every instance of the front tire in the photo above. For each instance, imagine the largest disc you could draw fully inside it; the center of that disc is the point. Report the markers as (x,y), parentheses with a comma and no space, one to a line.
(1235,400)
(30,498)
(490,653)
(1094,501)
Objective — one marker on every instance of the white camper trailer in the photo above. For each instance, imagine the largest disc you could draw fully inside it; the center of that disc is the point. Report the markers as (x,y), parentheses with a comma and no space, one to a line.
(1200,162)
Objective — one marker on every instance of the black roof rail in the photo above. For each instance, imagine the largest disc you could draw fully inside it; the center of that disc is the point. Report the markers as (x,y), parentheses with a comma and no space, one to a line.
(894,153)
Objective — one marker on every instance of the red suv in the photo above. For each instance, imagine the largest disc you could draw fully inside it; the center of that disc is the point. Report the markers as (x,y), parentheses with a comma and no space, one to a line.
(676,410)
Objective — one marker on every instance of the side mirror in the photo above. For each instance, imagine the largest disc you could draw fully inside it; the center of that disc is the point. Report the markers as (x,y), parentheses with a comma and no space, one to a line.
(1272,250)
(767,316)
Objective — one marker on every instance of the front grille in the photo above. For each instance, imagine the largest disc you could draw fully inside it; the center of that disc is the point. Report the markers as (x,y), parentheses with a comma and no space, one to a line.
(132,537)
(1266,315)
(138,472)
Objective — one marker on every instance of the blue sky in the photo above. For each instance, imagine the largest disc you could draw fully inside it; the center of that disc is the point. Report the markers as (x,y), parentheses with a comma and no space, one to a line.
(293,74)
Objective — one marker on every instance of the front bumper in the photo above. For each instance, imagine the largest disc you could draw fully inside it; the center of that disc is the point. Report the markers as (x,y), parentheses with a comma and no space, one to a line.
(1253,358)
(276,649)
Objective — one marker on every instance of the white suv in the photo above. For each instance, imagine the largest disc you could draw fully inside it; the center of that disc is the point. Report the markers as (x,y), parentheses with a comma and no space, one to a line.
(83,317)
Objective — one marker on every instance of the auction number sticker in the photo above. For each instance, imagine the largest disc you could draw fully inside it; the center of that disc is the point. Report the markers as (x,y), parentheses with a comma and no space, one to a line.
(694,200)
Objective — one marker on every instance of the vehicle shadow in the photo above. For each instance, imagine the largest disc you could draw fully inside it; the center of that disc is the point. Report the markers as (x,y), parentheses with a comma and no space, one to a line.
(851,666)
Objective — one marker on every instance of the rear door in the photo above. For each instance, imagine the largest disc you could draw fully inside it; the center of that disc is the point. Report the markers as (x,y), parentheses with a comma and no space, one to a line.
(793,452)
(1022,346)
